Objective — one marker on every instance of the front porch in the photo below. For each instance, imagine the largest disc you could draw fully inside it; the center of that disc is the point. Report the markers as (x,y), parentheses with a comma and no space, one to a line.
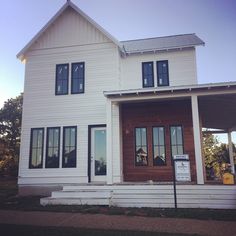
(192,108)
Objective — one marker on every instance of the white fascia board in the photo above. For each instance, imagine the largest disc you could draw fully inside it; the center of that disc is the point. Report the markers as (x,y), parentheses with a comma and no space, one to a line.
(169,89)
(21,54)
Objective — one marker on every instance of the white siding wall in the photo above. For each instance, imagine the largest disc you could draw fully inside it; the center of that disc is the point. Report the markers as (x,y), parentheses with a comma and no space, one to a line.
(182,68)
(42,108)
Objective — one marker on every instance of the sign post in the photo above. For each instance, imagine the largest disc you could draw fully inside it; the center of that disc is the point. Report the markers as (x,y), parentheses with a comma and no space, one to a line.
(181,172)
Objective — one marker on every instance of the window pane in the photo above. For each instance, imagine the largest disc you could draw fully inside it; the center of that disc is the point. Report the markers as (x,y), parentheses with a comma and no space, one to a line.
(141,156)
(158,146)
(173,135)
(62,78)
(179,135)
(138,137)
(69,148)
(147,68)
(162,73)
(36,148)
(77,85)
(53,144)
(176,140)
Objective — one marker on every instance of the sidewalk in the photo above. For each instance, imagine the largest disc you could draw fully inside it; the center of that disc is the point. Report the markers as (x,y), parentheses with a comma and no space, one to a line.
(118,222)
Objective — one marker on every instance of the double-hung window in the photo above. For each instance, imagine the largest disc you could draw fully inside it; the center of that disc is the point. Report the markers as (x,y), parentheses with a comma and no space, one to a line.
(77,78)
(158,138)
(62,74)
(36,148)
(141,148)
(69,147)
(162,73)
(177,145)
(148,75)
(53,147)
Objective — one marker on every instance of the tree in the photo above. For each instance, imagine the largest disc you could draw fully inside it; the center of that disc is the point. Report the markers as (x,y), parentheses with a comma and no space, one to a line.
(10,130)
(215,154)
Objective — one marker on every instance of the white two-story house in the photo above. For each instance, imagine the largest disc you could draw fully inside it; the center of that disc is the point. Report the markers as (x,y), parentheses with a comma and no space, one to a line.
(107,114)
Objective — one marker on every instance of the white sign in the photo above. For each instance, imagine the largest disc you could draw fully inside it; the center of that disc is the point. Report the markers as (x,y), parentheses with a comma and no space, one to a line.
(182,170)
(181,157)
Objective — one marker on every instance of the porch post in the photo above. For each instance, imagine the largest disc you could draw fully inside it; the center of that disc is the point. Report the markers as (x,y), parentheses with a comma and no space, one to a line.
(197,140)
(109,141)
(231,154)
(116,142)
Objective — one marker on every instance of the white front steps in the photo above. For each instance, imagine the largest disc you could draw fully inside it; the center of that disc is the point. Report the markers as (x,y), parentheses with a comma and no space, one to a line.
(138,195)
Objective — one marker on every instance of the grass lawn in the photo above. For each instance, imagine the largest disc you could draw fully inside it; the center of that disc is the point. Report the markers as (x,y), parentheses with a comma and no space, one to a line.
(22,230)
(9,200)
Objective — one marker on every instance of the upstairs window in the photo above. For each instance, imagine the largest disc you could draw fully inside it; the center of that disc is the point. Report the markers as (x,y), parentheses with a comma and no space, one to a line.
(62,74)
(77,78)
(69,147)
(36,148)
(148,75)
(162,73)
(177,145)
(141,152)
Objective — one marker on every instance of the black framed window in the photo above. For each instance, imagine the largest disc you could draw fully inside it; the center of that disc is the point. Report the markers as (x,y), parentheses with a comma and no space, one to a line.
(177,145)
(36,148)
(148,75)
(69,146)
(53,147)
(141,152)
(62,74)
(77,77)
(159,147)
(162,73)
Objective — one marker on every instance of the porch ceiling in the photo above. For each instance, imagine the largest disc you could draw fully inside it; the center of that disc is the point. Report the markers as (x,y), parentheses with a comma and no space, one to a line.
(218,111)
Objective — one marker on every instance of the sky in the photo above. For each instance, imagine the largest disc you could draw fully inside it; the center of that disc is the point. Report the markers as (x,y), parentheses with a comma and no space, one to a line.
(214,21)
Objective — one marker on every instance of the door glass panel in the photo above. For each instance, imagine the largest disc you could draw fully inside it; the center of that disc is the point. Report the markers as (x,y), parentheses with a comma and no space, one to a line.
(100,152)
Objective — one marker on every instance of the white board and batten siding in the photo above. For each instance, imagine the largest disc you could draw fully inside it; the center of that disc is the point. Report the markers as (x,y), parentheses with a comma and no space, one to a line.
(42,108)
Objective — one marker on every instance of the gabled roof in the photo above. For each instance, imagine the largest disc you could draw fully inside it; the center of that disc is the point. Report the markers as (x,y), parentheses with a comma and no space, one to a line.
(161,43)
(22,53)
(126,47)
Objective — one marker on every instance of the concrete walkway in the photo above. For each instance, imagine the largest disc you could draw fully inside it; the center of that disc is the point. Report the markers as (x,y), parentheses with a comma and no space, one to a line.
(119,222)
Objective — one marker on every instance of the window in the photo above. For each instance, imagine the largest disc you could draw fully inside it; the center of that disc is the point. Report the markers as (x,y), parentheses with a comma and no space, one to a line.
(77,78)
(158,136)
(162,73)
(36,148)
(53,147)
(177,147)
(148,76)
(69,147)
(141,154)
(62,73)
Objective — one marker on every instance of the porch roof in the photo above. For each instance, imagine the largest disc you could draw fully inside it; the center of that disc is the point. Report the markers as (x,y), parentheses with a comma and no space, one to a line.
(217,101)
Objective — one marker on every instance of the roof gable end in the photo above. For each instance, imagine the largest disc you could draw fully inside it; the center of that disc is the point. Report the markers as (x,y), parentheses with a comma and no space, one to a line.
(65,7)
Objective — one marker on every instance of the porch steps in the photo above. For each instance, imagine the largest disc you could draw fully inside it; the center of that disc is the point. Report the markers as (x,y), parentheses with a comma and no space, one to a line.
(161,196)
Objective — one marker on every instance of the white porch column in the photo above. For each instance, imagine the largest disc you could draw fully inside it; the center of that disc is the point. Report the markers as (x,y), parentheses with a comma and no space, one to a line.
(109,142)
(197,140)
(116,142)
(231,154)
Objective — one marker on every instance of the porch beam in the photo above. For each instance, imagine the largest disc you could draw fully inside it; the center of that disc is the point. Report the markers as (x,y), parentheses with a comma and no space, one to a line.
(231,154)
(109,141)
(197,140)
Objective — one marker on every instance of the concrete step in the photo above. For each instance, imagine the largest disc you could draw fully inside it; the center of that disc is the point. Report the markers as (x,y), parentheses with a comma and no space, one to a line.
(81,194)
(74,201)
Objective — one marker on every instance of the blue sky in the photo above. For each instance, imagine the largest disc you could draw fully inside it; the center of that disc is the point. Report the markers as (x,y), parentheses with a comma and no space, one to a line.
(214,21)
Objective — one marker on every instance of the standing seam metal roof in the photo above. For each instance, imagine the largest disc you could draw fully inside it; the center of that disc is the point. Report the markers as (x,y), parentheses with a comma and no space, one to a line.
(162,43)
